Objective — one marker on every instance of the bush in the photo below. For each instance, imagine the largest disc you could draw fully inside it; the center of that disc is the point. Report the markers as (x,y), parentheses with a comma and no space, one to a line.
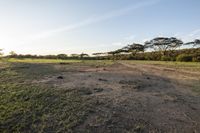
(196,59)
(166,58)
(184,57)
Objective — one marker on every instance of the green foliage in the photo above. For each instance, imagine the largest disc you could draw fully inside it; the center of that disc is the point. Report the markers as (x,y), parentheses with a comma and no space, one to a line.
(196,58)
(195,43)
(12,54)
(162,44)
(170,55)
(184,57)
(166,58)
(62,56)
(133,48)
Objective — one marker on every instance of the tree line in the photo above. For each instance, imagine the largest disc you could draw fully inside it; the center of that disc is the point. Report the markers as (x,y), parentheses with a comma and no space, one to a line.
(159,48)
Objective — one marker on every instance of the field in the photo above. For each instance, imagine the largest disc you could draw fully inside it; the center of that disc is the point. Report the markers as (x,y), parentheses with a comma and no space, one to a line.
(38,95)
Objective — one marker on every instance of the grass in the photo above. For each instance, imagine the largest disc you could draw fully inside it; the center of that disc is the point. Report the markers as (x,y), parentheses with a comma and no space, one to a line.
(193,66)
(189,66)
(55,61)
(108,62)
(28,60)
(99,63)
(25,106)
(196,88)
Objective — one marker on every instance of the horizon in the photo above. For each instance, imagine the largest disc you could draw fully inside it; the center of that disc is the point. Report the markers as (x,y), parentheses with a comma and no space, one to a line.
(54,27)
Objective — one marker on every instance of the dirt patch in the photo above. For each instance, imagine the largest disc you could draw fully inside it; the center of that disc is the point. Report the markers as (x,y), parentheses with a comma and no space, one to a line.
(134,98)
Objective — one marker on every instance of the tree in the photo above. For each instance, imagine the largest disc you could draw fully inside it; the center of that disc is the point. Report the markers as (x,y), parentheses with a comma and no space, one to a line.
(74,55)
(83,55)
(98,54)
(113,53)
(134,48)
(12,54)
(1,53)
(163,44)
(62,56)
(195,43)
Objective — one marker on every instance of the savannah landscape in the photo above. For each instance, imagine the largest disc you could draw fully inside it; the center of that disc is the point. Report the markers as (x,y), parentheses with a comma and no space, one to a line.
(117,66)
(99,96)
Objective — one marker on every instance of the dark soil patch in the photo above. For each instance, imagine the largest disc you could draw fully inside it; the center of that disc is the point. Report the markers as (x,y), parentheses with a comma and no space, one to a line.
(64,63)
(60,77)
(85,91)
(98,89)
(129,82)
(105,80)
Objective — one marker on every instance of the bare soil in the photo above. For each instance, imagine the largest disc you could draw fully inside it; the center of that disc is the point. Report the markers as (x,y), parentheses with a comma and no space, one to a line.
(135,98)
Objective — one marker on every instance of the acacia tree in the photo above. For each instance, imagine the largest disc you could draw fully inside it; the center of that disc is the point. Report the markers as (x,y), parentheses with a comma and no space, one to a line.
(83,55)
(134,48)
(98,54)
(163,44)
(62,56)
(74,55)
(195,43)
(113,53)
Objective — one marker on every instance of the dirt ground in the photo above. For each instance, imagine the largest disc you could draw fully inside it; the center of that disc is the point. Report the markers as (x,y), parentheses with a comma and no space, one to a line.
(135,97)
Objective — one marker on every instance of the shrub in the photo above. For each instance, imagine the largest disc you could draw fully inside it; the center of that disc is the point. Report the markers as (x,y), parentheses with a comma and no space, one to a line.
(184,57)
(166,58)
(196,59)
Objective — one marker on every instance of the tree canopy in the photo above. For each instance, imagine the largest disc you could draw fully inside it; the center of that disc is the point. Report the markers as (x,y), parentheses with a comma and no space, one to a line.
(163,44)
(195,43)
(62,56)
(82,55)
(134,48)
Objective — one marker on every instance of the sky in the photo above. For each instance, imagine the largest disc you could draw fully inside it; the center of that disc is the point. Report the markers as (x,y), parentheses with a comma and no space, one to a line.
(74,26)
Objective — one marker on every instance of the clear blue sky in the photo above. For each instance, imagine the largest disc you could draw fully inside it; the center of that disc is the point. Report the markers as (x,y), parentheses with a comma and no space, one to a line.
(75,26)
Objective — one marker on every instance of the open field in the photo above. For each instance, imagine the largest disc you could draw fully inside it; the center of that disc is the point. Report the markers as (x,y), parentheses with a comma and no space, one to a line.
(99,96)
(191,66)
(28,60)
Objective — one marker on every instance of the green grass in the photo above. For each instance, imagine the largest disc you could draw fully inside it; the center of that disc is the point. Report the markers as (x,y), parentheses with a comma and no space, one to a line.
(41,60)
(25,106)
(54,61)
(193,66)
